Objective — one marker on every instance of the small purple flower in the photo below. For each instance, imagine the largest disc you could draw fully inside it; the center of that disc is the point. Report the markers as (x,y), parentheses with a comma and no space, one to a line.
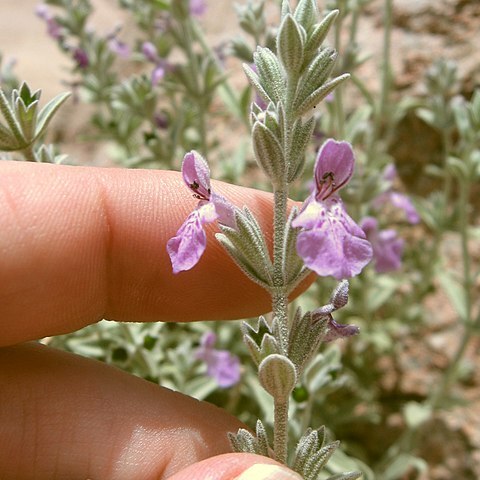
(161,120)
(149,50)
(338,300)
(401,201)
(118,47)
(387,247)
(53,28)
(338,330)
(190,241)
(221,364)
(197,7)
(330,242)
(158,73)
(80,56)
(397,199)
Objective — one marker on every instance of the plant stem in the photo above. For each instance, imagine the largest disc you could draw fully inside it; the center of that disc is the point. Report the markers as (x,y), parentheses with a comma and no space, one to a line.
(279,296)
(280,314)
(280,442)
(338,100)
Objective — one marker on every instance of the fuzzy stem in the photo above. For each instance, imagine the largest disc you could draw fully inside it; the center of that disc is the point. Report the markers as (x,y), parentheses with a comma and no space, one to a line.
(280,442)
(338,97)
(279,296)
(280,314)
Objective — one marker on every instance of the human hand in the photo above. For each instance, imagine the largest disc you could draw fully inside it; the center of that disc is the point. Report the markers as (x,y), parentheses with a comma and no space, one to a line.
(79,244)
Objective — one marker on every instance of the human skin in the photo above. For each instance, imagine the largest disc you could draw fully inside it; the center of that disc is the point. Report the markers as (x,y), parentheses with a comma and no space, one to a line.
(78,244)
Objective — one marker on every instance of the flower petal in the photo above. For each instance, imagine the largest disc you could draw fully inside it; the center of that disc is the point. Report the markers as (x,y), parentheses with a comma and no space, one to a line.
(312,214)
(404,203)
(333,167)
(338,330)
(224,209)
(224,368)
(332,249)
(196,174)
(188,245)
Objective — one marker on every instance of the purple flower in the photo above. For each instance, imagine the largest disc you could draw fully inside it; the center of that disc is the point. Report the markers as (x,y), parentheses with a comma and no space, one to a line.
(150,52)
(80,56)
(53,28)
(338,300)
(397,199)
(190,241)
(401,201)
(197,7)
(118,47)
(387,247)
(330,242)
(157,74)
(221,364)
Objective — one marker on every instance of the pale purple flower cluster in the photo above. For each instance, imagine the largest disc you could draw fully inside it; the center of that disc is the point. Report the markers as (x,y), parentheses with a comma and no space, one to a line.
(387,246)
(330,242)
(397,199)
(81,58)
(223,366)
(118,47)
(53,28)
(150,52)
(197,7)
(190,241)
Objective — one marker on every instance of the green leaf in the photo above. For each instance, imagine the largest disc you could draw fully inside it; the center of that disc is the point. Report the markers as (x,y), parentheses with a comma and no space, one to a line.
(290,44)
(382,291)
(8,142)
(268,153)
(318,95)
(301,136)
(320,32)
(306,13)
(270,74)
(401,464)
(48,111)
(455,292)
(9,116)
(416,413)
(316,74)
(255,82)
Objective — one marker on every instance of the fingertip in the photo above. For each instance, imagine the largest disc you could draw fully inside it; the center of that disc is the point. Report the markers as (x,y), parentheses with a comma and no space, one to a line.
(236,466)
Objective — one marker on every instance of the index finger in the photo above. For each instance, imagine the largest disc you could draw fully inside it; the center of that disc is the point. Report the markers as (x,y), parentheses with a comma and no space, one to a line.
(78,244)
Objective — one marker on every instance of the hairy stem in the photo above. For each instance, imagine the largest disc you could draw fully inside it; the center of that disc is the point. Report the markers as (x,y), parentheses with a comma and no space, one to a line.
(279,296)
(280,441)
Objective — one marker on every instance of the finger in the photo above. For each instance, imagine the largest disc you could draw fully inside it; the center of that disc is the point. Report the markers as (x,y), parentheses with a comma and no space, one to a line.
(235,466)
(78,244)
(64,416)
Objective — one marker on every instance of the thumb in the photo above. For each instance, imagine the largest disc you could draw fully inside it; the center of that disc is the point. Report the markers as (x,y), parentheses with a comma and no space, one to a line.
(236,466)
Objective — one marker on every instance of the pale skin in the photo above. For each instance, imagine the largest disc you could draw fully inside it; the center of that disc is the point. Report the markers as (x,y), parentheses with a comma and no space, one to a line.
(78,244)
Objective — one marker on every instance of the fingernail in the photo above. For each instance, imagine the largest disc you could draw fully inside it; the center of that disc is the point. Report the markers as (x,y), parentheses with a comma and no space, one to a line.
(262,471)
